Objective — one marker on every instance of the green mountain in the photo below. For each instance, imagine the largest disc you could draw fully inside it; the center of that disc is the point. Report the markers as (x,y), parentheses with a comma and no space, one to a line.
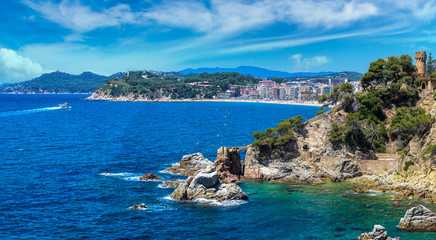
(58,82)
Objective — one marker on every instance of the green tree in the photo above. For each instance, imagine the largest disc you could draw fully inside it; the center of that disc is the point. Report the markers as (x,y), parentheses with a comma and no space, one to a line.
(338,93)
(430,65)
(409,122)
(374,76)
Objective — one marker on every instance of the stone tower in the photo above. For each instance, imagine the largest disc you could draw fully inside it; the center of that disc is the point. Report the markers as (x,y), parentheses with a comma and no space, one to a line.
(421,58)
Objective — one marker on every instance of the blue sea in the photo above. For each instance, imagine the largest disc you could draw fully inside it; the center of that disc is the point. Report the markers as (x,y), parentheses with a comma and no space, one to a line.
(73,174)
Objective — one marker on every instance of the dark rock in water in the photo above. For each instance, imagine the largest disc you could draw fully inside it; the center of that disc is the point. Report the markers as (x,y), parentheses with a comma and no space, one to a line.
(378,233)
(418,218)
(139,207)
(206,184)
(190,165)
(228,164)
(149,176)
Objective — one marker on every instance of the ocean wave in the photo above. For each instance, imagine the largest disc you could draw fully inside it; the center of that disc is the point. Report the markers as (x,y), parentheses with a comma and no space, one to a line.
(123,175)
(166,172)
(116,174)
(210,202)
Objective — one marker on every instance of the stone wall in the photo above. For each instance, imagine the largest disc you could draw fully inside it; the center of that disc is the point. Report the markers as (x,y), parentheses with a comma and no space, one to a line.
(371,167)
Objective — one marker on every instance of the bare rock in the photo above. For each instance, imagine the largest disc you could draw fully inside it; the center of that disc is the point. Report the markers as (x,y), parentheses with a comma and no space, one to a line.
(190,165)
(418,218)
(171,184)
(228,164)
(378,233)
(149,176)
(206,184)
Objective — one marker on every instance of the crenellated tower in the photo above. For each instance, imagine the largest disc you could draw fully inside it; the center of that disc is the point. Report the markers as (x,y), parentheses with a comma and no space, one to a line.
(421,59)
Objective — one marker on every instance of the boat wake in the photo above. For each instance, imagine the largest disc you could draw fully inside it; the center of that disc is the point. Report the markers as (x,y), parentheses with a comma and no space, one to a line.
(21,112)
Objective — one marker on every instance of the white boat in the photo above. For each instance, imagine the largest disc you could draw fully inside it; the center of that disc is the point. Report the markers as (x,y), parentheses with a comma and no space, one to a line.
(65,105)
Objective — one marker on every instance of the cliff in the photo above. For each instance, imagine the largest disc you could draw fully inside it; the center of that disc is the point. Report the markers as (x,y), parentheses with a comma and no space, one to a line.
(383,137)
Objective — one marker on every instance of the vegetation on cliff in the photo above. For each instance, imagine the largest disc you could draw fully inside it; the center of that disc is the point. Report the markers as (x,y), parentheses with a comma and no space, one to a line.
(280,135)
(154,86)
(387,85)
(383,112)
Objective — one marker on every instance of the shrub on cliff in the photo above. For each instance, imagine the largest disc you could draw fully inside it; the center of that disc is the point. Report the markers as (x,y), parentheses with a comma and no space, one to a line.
(336,133)
(409,122)
(280,135)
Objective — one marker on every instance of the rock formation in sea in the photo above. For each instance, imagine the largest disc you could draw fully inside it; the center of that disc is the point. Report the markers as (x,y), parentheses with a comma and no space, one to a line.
(418,218)
(307,158)
(206,185)
(190,165)
(149,177)
(228,164)
(378,233)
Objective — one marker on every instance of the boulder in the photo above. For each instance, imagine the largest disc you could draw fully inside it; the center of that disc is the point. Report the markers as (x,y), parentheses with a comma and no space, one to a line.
(190,165)
(149,176)
(418,218)
(228,164)
(378,233)
(206,185)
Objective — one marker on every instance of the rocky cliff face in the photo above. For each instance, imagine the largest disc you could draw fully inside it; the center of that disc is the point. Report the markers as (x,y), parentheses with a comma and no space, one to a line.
(306,159)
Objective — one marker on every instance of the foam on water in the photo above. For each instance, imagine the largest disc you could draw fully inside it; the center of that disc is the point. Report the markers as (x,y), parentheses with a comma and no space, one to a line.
(210,202)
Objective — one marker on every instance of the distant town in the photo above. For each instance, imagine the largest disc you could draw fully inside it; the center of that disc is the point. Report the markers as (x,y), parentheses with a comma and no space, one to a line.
(301,90)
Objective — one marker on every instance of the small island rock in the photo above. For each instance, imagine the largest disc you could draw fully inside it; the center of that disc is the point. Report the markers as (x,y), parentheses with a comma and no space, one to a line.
(149,176)
(418,218)
(378,233)
(190,165)
(139,207)
(206,184)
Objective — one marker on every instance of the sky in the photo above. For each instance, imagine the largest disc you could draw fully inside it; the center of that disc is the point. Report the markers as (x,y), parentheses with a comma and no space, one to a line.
(108,36)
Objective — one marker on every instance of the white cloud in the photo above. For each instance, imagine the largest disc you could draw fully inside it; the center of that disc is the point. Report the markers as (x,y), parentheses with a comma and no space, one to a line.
(327,14)
(16,68)
(80,18)
(306,64)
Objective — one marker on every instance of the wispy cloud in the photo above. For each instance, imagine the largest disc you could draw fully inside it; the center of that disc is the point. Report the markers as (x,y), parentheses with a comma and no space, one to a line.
(306,64)
(80,18)
(16,68)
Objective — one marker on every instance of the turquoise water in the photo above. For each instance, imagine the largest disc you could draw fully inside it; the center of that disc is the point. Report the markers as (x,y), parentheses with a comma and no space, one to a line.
(73,174)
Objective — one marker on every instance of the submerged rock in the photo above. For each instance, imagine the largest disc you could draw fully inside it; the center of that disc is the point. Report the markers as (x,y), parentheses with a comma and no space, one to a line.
(139,207)
(418,218)
(190,165)
(378,233)
(171,184)
(149,176)
(206,184)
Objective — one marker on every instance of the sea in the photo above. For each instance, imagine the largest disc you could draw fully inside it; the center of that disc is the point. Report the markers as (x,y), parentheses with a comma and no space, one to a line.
(73,174)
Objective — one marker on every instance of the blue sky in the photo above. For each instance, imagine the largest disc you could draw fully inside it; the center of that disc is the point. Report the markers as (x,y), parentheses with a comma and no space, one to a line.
(108,36)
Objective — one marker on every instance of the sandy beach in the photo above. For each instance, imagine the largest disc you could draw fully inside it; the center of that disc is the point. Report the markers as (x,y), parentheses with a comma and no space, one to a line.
(289,102)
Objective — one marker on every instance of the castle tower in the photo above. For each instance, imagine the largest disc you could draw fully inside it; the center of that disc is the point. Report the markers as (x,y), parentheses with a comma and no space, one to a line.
(421,58)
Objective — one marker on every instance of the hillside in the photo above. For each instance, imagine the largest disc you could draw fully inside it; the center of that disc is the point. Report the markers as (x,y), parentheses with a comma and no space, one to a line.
(255,71)
(139,85)
(58,82)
